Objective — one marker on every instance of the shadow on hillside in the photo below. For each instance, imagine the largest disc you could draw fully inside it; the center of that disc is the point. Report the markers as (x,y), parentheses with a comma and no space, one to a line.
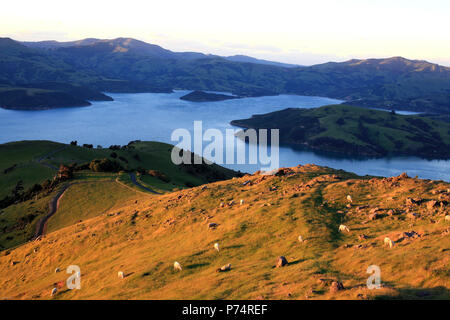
(439,292)
(196,265)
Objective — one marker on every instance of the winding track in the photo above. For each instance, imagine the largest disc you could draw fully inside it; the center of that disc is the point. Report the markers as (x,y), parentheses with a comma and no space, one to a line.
(45,156)
(54,202)
(136,183)
(52,207)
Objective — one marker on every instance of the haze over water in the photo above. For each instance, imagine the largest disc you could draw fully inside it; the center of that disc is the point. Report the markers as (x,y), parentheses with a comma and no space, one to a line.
(153,117)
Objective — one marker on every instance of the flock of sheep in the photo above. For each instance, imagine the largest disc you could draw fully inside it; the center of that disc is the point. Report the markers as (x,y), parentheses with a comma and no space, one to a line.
(177,266)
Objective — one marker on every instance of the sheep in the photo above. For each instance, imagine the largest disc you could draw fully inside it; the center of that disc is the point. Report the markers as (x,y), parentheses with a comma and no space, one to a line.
(120,274)
(349,198)
(343,228)
(242,202)
(388,242)
(224,268)
(300,238)
(57,270)
(216,246)
(177,266)
(54,290)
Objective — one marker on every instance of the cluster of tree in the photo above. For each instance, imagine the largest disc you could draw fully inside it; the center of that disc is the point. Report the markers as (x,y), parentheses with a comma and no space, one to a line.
(19,194)
(105,165)
(160,175)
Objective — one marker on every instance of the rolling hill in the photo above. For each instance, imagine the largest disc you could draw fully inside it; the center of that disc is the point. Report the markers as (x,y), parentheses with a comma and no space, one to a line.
(129,65)
(28,184)
(357,131)
(142,235)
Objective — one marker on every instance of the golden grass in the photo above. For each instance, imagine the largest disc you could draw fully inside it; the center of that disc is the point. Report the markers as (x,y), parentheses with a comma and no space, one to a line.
(144,239)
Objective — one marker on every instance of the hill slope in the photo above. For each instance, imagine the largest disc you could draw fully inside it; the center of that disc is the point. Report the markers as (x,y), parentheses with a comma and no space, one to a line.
(357,131)
(28,184)
(143,238)
(129,65)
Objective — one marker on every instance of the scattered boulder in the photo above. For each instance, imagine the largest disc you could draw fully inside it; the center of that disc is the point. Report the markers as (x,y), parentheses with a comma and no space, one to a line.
(336,286)
(213,225)
(413,201)
(412,215)
(281,262)
(363,237)
(374,216)
(431,204)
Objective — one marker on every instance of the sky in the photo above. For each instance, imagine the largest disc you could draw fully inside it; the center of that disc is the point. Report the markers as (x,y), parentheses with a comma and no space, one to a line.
(299,32)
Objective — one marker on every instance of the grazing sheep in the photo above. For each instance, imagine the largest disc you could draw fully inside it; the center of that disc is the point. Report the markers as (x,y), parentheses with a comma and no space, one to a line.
(343,228)
(221,205)
(54,290)
(216,246)
(300,238)
(120,274)
(349,198)
(177,266)
(242,202)
(57,270)
(224,268)
(388,242)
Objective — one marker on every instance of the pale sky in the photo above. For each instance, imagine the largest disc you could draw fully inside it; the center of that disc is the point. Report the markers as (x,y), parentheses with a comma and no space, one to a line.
(301,32)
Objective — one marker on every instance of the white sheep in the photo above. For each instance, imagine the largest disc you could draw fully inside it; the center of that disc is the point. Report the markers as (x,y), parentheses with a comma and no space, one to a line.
(216,246)
(177,266)
(349,198)
(343,228)
(388,242)
(242,202)
(54,290)
(300,238)
(120,274)
(57,270)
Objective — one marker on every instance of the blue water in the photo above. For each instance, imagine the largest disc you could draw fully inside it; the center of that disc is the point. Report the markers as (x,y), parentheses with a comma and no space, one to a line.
(153,116)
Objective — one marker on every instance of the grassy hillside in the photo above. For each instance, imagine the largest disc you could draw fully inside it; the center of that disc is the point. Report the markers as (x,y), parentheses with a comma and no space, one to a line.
(144,237)
(25,164)
(357,131)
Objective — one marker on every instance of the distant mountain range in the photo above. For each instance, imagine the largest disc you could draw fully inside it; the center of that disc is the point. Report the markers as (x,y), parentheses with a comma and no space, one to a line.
(129,65)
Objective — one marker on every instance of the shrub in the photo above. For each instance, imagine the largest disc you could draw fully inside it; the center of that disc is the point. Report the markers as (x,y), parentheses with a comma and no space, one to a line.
(158,174)
(104,165)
